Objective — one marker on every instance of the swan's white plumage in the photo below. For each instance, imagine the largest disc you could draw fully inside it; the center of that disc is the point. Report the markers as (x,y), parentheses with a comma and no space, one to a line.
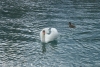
(48,37)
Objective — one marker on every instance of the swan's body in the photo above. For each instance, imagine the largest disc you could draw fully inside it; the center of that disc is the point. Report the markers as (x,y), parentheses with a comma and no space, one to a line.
(48,34)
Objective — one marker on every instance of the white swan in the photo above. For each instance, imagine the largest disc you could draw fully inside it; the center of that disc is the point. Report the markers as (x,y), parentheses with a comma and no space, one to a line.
(48,34)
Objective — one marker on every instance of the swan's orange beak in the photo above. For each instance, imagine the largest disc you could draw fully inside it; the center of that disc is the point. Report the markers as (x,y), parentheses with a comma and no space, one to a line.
(43,32)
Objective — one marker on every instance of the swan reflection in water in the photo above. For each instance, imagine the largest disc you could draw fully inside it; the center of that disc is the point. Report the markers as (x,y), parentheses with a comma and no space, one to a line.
(52,44)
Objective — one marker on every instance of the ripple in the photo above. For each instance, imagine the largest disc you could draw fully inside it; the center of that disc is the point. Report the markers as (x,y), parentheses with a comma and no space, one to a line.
(20,25)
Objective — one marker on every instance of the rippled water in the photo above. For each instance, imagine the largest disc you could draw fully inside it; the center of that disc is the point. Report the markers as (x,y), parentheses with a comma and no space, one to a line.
(21,22)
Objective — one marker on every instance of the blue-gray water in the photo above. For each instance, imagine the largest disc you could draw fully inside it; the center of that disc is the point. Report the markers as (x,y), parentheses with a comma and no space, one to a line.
(22,20)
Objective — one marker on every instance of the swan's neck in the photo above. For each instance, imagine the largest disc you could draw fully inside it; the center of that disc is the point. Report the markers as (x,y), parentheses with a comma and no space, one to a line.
(43,38)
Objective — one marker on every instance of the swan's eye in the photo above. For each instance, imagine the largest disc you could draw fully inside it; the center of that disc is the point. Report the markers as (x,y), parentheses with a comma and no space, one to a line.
(44,32)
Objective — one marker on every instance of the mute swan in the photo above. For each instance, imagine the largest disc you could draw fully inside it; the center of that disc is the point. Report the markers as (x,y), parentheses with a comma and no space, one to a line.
(70,25)
(48,34)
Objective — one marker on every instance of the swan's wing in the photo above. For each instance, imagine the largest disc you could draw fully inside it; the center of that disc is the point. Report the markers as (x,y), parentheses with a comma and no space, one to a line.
(52,36)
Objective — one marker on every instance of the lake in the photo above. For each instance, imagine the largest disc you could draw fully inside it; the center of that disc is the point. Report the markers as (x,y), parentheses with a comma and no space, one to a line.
(21,23)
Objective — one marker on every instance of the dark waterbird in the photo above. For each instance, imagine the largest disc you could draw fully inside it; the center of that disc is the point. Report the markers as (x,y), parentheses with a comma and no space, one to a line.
(71,25)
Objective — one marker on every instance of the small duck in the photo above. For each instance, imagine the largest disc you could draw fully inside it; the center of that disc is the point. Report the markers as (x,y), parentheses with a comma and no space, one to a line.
(70,25)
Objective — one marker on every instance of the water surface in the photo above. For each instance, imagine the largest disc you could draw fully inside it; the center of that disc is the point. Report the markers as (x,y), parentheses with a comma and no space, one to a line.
(21,22)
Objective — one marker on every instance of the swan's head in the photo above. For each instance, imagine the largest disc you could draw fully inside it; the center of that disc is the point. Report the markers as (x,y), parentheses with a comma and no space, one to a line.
(43,32)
